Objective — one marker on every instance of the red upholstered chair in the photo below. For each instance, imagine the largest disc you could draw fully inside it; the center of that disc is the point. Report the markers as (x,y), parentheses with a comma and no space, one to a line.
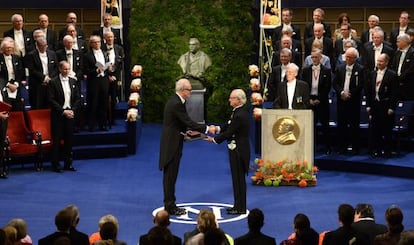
(20,141)
(39,124)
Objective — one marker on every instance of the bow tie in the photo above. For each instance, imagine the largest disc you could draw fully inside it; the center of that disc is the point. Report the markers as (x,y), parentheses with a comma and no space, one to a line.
(380,71)
(69,53)
(17,31)
(110,48)
(349,69)
(8,57)
(65,79)
(377,48)
(316,67)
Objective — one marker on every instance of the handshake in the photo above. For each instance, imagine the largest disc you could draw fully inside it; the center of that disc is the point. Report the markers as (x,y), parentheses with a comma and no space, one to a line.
(212,129)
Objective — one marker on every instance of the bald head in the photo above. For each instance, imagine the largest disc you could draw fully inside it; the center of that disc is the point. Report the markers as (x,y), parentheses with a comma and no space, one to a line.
(162,218)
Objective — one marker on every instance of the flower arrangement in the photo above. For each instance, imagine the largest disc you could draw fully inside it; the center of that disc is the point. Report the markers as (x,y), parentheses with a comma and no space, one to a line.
(284,172)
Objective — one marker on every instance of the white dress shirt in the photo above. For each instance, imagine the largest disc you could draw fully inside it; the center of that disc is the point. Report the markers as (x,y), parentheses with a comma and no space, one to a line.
(66,91)
(291,85)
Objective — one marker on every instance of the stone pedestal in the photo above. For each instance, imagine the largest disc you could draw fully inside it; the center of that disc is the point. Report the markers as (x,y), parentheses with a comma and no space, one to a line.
(195,105)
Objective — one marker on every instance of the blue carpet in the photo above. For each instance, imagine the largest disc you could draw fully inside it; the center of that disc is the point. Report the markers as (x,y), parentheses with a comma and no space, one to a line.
(130,188)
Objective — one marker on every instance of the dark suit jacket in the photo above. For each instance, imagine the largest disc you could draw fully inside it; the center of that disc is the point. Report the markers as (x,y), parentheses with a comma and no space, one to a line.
(342,235)
(77,237)
(89,64)
(309,31)
(77,61)
(274,80)
(19,73)
(143,240)
(394,34)
(28,37)
(296,58)
(324,85)
(50,239)
(119,58)
(176,121)
(254,238)
(300,99)
(365,36)
(79,31)
(407,70)
(117,35)
(339,47)
(50,37)
(237,129)
(356,83)
(368,59)
(34,64)
(328,49)
(57,97)
(370,228)
(277,34)
(387,91)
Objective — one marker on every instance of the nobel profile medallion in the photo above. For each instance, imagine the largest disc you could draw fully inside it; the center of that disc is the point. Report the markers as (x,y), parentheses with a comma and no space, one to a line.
(285,130)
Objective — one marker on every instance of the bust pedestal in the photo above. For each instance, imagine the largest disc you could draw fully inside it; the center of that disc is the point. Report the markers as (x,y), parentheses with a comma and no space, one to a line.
(195,105)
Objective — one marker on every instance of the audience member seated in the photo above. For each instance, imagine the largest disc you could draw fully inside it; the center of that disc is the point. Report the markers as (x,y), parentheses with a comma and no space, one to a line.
(104,219)
(77,237)
(304,234)
(345,234)
(255,222)
(161,219)
(109,231)
(215,237)
(11,235)
(159,235)
(343,19)
(364,222)
(205,221)
(2,237)
(63,222)
(394,219)
(21,227)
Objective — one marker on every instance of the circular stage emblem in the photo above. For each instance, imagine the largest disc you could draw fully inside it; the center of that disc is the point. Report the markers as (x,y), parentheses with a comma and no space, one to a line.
(219,210)
(285,130)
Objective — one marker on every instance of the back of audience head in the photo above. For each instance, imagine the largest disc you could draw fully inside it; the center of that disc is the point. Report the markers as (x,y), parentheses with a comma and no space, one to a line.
(162,218)
(346,214)
(214,236)
(363,210)
(303,230)
(20,226)
(74,211)
(394,218)
(108,218)
(10,235)
(2,237)
(206,221)
(159,235)
(255,219)
(63,220)
(108,231)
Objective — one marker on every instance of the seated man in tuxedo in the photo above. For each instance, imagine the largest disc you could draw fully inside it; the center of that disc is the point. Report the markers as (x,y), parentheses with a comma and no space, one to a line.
(292,94)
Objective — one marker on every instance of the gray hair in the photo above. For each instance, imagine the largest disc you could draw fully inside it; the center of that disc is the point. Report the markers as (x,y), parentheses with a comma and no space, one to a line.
(15,16)
(181,83)
(6,40)
(241,95)
(374,17)
(108,218)
(404,37)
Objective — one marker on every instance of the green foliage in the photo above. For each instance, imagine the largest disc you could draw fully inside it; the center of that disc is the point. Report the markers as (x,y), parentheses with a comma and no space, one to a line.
(159,34)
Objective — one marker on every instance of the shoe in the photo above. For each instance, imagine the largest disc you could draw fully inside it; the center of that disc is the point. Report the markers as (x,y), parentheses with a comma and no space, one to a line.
(3,175)
(229,209)
(235,211)
(57,169)
(69,168)
(177,211)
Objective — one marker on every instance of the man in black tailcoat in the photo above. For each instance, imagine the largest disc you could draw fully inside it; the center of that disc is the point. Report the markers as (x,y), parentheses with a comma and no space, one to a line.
(64,100)
(236,133)
(318,78)
(348,83)
(175,124)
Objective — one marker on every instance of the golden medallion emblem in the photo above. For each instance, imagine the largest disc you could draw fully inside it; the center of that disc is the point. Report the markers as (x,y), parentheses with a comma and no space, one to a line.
(285,130)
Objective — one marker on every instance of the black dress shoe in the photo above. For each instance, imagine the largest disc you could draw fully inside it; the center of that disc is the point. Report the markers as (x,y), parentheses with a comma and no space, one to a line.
(235,211)
(229,209)
(57,169)
(69,168)
(177,211)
